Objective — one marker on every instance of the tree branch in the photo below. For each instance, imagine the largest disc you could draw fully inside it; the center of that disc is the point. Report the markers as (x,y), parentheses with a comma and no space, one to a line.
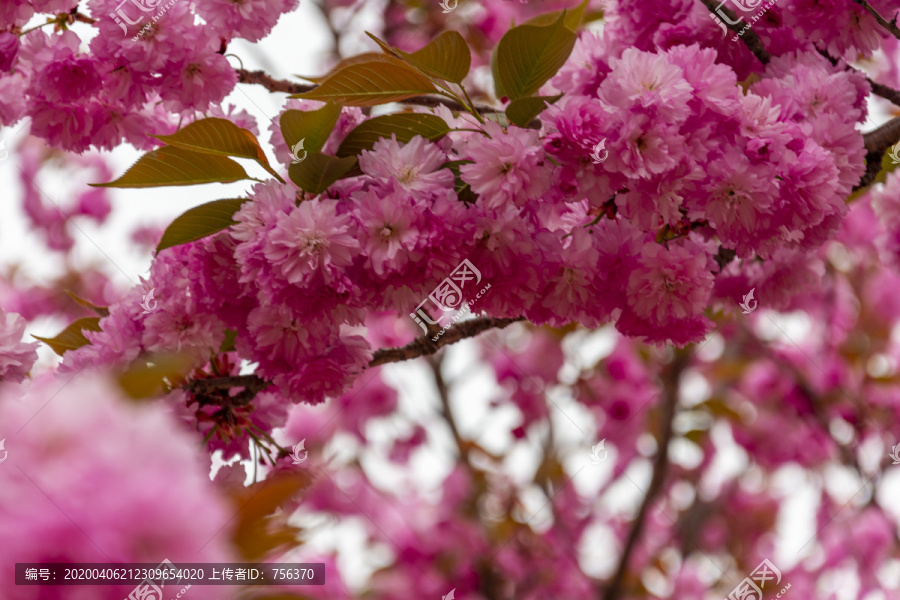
(891,25)
(660,467)
(279,85)
(751,40)
(422,346)
(879,89)
(877,143)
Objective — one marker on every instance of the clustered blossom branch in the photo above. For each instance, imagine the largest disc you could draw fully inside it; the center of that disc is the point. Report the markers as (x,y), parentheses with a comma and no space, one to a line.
(878,141)
(422,346)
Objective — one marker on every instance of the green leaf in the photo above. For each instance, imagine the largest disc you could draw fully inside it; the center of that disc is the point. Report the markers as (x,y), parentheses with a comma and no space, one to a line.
(71,337)
(365,56)
(146,378)
(228,343)
(520,112)
(528,55)
(404,125)
(103,311)
(199,222)
(171,165)
(312,127)
(573,19)
(219,136)
(464,193)
(445,57)
(377,80)
(318,171)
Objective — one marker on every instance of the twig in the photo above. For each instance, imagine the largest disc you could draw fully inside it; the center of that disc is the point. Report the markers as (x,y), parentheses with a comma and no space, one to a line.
(891,25)
(660,467)
(751,40)
(279,85)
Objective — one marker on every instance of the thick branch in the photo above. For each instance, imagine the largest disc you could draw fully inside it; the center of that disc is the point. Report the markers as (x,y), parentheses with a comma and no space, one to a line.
(423,346)
(751,40)
(660,467)
(279,85)
(877,143)
(891,25)
(884,137)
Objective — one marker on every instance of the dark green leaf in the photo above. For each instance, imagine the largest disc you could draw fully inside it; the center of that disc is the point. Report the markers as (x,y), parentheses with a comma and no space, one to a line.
(72,338)
(311,126)
(218,136)
(528,55)
(318,171)
(404,125)
(228,344)
(377,80)
(365,56)
(446,57)
(573,18)
(464,193)
(171,165)
(199,222)
(520,112)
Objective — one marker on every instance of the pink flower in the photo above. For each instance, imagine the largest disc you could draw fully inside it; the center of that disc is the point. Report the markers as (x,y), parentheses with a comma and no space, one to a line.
(649,81)
(667,294)
(389,228)
(248,19)
(508,168)
(16,356)
(313,241)
(414,166)
(95,477)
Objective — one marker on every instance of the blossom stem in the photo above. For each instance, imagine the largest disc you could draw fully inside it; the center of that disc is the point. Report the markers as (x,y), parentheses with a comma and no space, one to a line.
(891,25)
